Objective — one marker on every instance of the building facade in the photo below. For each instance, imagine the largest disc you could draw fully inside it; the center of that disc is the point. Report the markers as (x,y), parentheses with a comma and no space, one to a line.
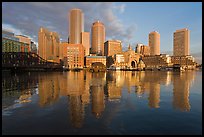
(154,43)
(26,40)
(157,61)
(85,39)
(48,45)
(93,59)
(11,43)
(186,62)
(98,38)
(124,60)
(112,47)
(181,42)
(76,26)
(142,49)
(75,56)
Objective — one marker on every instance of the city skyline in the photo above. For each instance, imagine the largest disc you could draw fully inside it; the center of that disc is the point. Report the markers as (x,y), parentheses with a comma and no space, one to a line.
(122,25)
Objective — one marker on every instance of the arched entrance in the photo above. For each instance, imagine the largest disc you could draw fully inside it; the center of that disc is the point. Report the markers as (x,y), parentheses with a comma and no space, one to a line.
(133,64)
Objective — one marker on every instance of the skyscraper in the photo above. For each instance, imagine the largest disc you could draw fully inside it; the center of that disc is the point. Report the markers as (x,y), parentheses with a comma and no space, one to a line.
(154,43)
(98,38)
(85,40)
(76,26)
(181,42)
(48,43)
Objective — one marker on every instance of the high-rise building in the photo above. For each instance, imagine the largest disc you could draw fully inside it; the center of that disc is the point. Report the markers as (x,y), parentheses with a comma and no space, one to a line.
(76,26)
(181,42)
(154,43)
(48,43)
(55,44)
(112,47)
(98,38)
(85,39)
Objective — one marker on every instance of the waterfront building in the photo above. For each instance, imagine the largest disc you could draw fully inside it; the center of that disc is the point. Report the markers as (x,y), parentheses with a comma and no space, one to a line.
(157,61)
(186,62)
(11,43)
(128,59)
(63,50)
(119,61)
(98,38)
(48,43)
(142,49)
(112,47)
(131,58)
(25,39)
(76,26)
(154,43)
(181,42)
(92,59)
(85,39)
(75,56)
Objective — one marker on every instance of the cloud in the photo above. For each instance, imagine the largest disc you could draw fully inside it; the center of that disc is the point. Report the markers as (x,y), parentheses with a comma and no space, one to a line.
(121,8)
(28,17)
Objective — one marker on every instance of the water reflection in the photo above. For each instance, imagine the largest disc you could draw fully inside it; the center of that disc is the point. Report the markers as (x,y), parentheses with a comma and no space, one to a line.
(181,89)
(18,88)
(84,88)
(48,89)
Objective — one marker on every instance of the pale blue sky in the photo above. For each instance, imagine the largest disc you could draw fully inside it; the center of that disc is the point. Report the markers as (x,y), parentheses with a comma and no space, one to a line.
(130,22)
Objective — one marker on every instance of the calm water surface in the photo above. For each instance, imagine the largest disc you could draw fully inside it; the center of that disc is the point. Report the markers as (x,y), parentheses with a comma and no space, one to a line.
(112,102)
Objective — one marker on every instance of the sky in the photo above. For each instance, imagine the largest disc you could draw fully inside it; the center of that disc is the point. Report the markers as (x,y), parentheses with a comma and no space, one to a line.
(130,22)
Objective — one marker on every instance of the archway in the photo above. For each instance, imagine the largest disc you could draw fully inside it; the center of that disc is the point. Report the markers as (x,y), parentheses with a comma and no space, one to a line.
(133,64)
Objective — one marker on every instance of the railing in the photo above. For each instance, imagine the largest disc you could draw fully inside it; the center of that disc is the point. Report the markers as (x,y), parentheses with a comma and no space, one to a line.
(26,60)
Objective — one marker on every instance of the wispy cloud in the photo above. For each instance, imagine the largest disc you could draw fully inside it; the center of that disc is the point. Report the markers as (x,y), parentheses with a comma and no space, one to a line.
(120,8)
(28,17)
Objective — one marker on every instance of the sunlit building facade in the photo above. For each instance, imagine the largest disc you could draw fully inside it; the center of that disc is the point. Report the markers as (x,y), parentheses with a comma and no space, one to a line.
(85,39)
(157,61)
(92,59)
(25,39)
(142,49)
(97,38)
(48,45)
(76,26)
(11,43)
(75,56)
(112,47)
(181,42)
(154,43)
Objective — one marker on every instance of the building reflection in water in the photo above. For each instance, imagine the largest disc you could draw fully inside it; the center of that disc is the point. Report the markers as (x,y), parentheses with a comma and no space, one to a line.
(181,88)
(75,90)
(83,88)
(48,89)
(153,81)
(18,87)
(114,85)
(97,91)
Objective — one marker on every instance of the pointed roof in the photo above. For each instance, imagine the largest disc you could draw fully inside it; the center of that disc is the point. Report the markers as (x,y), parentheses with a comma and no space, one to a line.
(129,47)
